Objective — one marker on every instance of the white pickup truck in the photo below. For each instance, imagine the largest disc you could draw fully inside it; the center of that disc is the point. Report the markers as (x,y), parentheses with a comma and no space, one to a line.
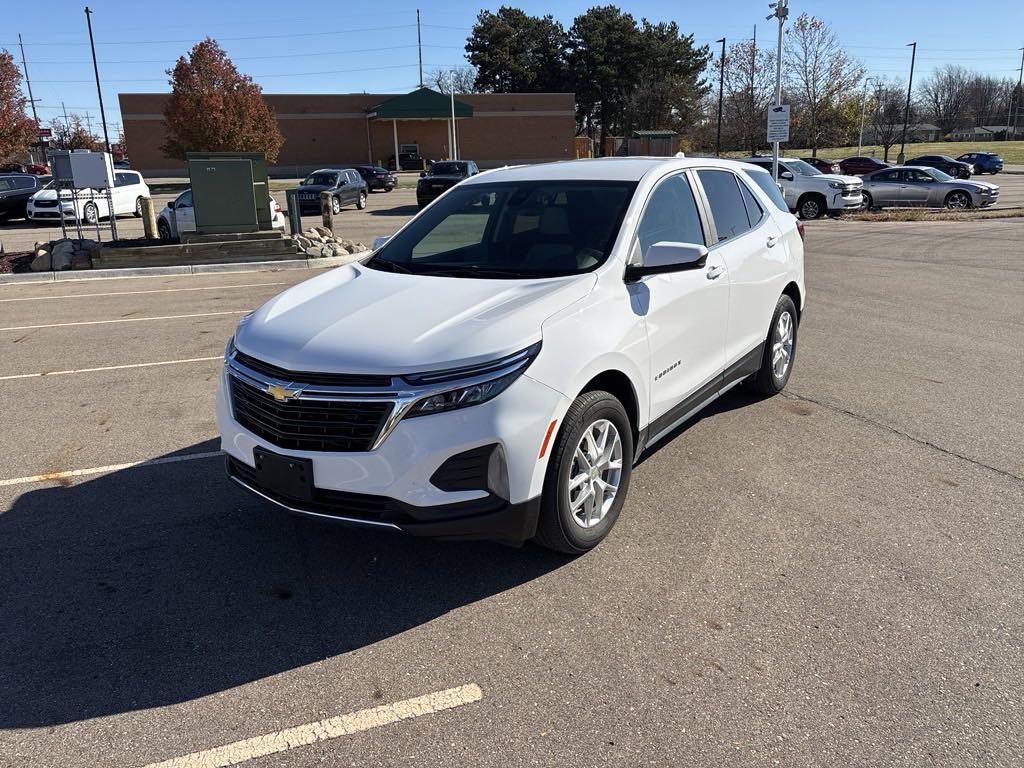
(811,193)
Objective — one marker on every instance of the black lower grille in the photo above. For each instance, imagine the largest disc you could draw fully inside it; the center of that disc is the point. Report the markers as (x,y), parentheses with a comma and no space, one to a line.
(308,425)
(46,203)
(466,471)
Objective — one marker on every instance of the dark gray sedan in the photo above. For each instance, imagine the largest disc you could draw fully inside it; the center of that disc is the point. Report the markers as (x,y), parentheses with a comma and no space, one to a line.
(914,187)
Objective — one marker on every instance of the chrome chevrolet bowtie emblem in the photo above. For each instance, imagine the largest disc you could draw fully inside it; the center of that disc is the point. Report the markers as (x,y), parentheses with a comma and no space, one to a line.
(282,394)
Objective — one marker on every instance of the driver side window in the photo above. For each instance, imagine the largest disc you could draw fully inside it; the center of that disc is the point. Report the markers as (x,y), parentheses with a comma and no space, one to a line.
(670,216)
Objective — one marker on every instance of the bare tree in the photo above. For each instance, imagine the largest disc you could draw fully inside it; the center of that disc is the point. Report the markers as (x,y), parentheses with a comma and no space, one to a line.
(820,74)
(441,80)
(887,114)
(986,102)
(944,96)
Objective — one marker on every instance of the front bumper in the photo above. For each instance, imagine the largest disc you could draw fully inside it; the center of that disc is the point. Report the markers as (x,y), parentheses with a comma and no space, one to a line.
(390,486)
(846,201)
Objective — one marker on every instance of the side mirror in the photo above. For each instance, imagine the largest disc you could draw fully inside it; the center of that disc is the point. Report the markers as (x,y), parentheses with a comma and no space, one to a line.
(379,241)
(786,175)
(170,204)
(668,257)
(423,174)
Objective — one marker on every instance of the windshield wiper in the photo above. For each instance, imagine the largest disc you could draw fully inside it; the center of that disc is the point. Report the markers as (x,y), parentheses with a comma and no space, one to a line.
(470,270)
(388,266)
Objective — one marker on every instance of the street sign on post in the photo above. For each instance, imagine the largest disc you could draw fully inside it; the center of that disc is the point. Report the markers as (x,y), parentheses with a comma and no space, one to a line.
(44,133)
(778,123)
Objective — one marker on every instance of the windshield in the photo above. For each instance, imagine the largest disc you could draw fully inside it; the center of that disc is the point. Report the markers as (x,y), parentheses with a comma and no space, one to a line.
(511,230)
(447,169)
(804,169)
(935,173)
(320,179)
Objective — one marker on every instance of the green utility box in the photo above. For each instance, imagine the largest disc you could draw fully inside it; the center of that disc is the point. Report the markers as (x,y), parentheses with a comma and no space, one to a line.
(229,191)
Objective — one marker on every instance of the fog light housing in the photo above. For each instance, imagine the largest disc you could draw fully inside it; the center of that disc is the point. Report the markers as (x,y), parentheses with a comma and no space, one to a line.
(497,473)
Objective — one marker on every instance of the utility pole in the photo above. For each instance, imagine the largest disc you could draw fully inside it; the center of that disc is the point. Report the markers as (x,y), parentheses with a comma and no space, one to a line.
(906,110)
(455,140)
(96,70)
(781,8)
(419,47)
(28,82)
(863,106)
(721,91)
(1010,111)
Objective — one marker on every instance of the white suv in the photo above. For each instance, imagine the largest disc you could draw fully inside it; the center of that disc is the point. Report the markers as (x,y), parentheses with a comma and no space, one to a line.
(811,193)
(90,206)
(497,366)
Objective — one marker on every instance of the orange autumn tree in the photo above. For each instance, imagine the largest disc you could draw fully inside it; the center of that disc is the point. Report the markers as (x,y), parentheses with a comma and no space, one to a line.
(17,130)
(215,108)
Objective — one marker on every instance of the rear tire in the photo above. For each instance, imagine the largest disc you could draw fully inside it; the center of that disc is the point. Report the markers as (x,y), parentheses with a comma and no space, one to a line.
(163,229)
(361,201)
(584,471)
(958,201)
(869,204)
(335,206)
(779,350)
(90,214)
(138,207)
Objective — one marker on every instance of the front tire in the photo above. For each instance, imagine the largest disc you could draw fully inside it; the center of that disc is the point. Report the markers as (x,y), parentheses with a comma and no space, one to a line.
(588,475)
(811,207)
(335,206)
(958,201)
(90,214)
(163,229)
(779,350)
(869,204)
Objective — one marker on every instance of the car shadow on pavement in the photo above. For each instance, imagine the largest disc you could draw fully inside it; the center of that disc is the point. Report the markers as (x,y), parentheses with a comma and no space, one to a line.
(161,584)
(398,210)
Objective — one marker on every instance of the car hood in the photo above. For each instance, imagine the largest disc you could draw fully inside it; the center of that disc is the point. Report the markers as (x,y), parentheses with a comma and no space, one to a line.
(354,319)
(973,184)
(840,177)
(314,188)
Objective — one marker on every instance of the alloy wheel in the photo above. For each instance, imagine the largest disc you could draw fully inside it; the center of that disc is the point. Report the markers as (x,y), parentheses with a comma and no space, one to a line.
(90,214)
(335,206)
(782,346)
(595,473)
(810,209)
(958,201)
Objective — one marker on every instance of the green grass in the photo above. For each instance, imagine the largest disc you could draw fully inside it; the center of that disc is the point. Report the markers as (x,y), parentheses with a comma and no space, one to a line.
(1012,152)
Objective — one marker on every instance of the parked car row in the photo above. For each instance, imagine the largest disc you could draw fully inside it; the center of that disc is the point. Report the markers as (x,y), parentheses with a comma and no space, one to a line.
(26,196)
(36,169)
(440,177)
(811,193)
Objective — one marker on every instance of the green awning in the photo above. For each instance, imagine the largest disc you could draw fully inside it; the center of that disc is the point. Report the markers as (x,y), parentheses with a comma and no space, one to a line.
(421,104)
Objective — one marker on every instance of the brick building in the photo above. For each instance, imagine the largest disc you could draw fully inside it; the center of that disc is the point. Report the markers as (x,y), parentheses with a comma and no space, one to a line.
(333,129)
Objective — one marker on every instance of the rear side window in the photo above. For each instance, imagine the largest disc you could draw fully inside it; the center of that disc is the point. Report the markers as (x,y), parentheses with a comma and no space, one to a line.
(727,208)
(754,209)
(769,187)
(671,215)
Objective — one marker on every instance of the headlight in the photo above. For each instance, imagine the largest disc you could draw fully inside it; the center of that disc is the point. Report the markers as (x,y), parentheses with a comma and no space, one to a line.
(229,350)
(505,371)
(836,184)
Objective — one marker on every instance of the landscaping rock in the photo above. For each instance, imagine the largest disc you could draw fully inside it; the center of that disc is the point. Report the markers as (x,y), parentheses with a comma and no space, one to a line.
(61,255)
(41,262)
(313,234)
(81,260)
(313,252)
(303,242)
(323,231)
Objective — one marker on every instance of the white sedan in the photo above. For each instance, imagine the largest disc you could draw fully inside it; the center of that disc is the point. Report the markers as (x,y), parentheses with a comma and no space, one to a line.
(179,216)
(90,205)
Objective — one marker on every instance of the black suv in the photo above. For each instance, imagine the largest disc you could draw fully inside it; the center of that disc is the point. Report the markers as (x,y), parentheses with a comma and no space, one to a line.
(15,190)
(376,177)
(442,176)
(943,163)
(345,185)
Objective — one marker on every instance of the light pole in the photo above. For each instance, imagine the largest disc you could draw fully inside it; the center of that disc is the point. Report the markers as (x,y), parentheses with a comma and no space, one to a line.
(721,89)
(96,70)
(906,110)
(781,8)
(863,106)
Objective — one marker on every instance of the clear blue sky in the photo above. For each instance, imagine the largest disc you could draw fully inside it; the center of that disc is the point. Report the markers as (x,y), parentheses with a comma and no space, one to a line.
(372,46)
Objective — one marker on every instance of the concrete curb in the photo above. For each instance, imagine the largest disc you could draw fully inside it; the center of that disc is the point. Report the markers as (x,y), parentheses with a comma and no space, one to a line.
(184,269)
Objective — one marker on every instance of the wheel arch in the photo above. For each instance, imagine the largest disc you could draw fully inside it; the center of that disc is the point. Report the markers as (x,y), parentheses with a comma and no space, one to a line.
(793,291)
(619,384)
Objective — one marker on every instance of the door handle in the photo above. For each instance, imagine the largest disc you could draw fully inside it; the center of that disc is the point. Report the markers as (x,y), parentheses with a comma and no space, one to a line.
(715,271)
(772,241)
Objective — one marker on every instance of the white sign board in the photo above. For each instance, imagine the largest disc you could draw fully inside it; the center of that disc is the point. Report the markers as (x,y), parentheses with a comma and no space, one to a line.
(778,123)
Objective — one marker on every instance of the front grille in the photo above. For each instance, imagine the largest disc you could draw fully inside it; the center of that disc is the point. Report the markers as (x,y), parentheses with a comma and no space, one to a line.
(45,203)
(306,377)
(308,425)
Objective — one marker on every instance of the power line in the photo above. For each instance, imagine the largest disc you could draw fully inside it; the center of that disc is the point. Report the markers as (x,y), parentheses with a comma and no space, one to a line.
(261,77)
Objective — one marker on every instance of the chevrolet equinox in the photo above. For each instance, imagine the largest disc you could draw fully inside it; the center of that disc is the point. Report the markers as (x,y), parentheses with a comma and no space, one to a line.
(496,367)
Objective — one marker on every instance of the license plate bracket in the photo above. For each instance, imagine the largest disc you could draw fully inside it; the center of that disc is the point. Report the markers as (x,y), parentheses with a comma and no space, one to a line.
(288,476)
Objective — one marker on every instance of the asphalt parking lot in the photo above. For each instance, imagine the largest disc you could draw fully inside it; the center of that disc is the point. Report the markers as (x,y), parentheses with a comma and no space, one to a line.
(831,577)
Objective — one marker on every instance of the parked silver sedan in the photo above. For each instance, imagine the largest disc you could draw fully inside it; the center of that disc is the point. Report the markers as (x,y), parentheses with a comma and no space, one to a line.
(916,187)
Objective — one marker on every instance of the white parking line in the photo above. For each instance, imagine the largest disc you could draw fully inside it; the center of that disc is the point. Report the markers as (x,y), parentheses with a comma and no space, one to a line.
(109,368)
(124,320)
(324,730)
(136,293)
(72,473)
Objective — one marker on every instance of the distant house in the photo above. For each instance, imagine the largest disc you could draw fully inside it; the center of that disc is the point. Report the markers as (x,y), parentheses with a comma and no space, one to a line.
(915,132)
(985,133)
